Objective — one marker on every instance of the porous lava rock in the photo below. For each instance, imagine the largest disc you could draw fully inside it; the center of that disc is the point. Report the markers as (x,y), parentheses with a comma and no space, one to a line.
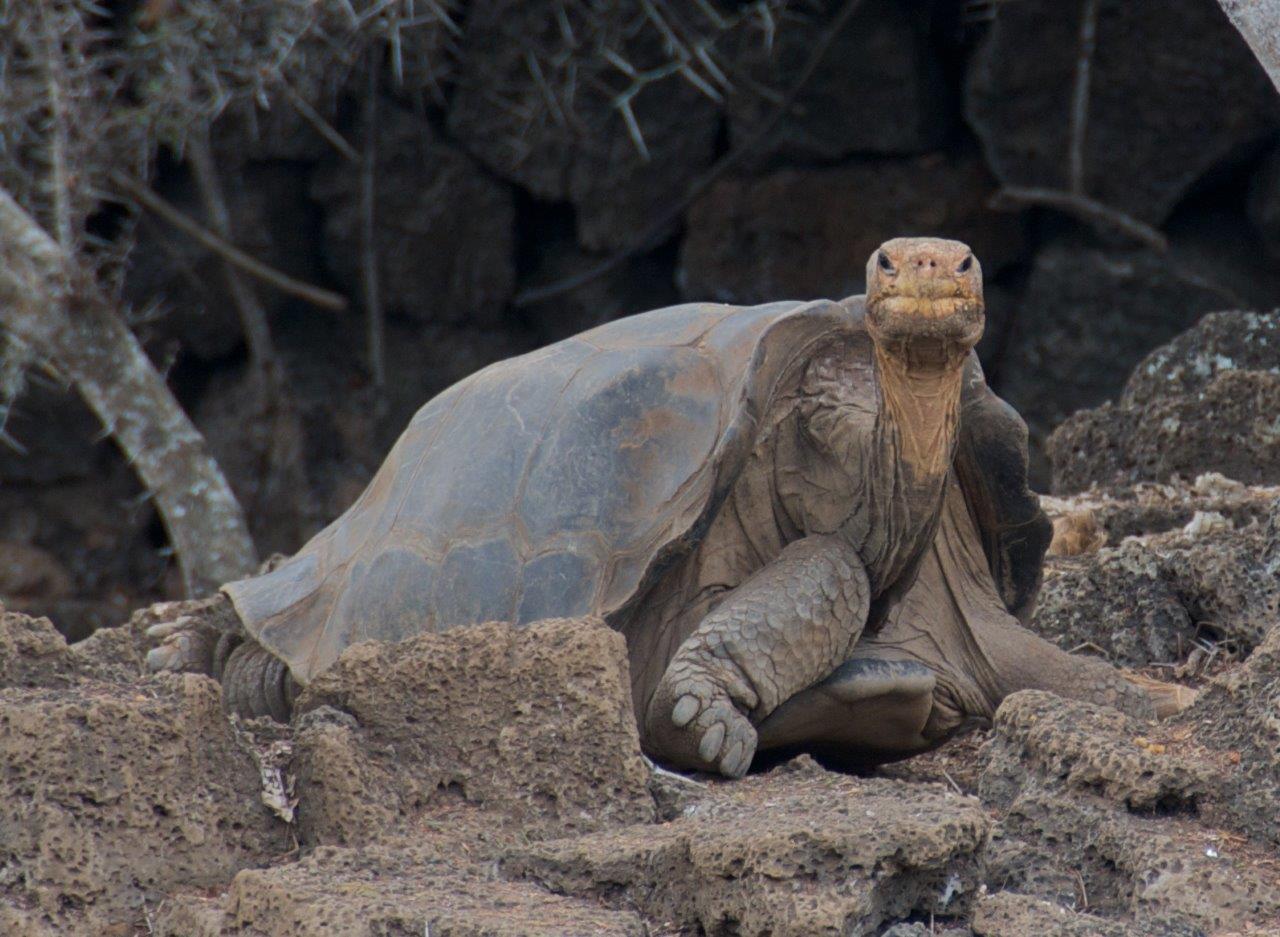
(383,890)
(1205,99)
(1148,599)
(799,851)
(1205,402)
(535,723)
(33,653)
(1042,741)
(1238,713)
(1156,507)
(1116,603)
(444,229)
(799,234)
(1097,810)
(1009,914)
(1168,875)
(116,794)
(1089,314)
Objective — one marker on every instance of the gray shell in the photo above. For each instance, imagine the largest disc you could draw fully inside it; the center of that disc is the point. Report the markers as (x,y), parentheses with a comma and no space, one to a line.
(559,483)
(553,484)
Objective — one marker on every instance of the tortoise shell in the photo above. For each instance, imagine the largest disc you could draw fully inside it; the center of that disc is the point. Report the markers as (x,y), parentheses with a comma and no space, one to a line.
(555,484)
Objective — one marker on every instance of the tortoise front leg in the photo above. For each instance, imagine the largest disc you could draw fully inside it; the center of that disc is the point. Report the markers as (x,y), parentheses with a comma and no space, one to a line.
(785,628)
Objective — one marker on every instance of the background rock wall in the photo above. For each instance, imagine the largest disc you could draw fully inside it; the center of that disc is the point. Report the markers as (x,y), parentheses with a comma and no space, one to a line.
(1114,165)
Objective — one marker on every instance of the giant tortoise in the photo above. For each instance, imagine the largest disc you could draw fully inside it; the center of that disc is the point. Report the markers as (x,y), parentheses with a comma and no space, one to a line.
(752,496)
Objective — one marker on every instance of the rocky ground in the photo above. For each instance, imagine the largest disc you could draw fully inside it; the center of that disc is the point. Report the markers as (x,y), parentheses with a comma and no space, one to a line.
(490,781)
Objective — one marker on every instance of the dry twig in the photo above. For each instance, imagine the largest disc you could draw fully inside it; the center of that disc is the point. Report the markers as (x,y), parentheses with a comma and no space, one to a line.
(253,318)
(321,126)
(368,234)
(149,200)
(1080,95)
(1086,209)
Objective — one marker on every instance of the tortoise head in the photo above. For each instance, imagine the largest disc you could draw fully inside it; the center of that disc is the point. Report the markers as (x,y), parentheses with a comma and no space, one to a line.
(924,298)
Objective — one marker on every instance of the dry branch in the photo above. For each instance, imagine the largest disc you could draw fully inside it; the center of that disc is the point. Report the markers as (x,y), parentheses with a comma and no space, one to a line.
(368,235)
(228,252)
(1084,208)
(253,318)
(318,123)
(45,303)
(1259,22)
(1080,95)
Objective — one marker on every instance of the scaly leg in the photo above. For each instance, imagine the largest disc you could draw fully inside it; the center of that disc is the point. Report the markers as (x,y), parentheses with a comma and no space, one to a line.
(785,628)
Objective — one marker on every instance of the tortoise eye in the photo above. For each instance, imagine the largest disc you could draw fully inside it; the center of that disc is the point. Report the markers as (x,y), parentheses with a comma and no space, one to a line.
(965,265)
(884,262)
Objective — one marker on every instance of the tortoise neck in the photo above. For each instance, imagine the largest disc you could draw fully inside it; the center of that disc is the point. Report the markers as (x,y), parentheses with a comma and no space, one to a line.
(922,403)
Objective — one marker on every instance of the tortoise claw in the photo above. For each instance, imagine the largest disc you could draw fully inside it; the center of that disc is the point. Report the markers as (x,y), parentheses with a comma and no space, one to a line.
(711,742)
(166,628)
(179,652)
(737,759)
(703,729)
(685,709)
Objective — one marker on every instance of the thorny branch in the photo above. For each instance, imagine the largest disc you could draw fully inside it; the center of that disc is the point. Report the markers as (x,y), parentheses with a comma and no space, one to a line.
(58,144)
(228,252)
(662,221)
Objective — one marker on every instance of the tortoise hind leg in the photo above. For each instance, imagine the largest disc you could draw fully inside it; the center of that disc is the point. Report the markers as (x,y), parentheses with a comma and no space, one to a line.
(257,683)
(869,711)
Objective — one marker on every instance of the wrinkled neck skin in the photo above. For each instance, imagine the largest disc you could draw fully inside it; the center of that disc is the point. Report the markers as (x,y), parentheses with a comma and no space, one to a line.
(954,622)
(921,404)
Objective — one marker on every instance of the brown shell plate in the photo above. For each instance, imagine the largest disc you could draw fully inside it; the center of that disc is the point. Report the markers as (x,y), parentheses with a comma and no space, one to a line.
(548,485)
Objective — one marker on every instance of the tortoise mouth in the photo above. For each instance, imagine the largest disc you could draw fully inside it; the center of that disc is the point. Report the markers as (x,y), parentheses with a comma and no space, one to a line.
(926,307)
(952,322)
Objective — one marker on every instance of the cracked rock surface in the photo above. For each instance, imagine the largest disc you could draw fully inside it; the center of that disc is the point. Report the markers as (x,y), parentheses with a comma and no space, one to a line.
(797,851)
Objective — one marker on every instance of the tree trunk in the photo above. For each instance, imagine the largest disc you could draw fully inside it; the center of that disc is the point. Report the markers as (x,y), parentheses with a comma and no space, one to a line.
(43,303)
(1259,23)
